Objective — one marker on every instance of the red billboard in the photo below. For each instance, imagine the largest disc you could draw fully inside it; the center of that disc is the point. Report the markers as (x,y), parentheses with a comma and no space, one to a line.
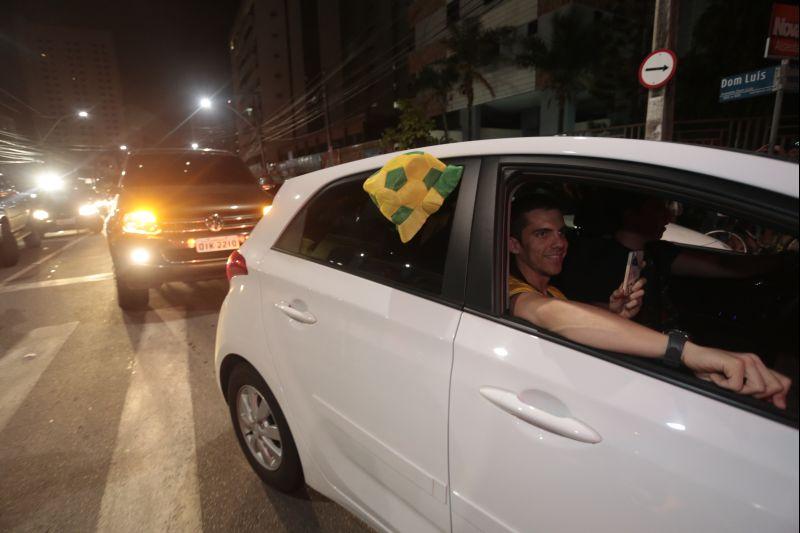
(782,40)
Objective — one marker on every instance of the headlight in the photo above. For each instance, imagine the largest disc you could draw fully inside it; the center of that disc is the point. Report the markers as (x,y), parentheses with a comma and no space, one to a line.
(87,210)
(142,222)
(49,181)
(266,209)
(40,214)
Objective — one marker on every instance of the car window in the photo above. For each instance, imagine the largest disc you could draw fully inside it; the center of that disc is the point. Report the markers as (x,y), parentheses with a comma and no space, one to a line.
(145,170)
(342,228)
(729,281)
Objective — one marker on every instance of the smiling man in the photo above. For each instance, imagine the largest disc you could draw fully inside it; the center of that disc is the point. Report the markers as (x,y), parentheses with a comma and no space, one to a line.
(538,246)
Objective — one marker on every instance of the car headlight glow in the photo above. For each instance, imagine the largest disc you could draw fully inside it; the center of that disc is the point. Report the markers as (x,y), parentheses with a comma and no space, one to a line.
(266,209)
(140,256)
(49,181)
(143,222)
(40,214)
(87,210)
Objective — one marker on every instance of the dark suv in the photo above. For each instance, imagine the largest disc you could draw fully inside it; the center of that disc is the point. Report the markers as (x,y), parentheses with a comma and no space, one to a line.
(177,217)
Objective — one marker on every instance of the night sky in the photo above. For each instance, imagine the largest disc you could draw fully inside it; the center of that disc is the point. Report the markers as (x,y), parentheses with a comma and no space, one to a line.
(169,51)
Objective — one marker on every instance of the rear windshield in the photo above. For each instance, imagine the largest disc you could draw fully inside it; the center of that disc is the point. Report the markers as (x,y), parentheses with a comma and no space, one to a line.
(185,169)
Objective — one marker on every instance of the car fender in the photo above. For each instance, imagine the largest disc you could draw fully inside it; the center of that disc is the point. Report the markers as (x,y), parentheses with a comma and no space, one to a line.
(240,333)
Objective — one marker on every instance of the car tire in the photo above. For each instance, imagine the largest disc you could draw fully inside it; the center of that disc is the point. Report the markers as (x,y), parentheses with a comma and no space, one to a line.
(9,250)
(278,463)
(33,239)
(131,299)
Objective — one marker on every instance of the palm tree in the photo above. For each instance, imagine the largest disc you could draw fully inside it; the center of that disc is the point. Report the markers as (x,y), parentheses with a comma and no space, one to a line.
(439,78)
(565,63)
(470,49)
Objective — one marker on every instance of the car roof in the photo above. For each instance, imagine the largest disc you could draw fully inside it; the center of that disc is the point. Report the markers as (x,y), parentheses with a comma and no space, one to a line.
(764,173)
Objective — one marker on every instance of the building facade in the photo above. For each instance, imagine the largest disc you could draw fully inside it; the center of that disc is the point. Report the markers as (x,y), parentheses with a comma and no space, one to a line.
(68,70)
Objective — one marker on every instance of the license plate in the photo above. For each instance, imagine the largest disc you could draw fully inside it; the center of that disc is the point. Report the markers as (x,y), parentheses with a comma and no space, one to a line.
(215,244)
(65,221)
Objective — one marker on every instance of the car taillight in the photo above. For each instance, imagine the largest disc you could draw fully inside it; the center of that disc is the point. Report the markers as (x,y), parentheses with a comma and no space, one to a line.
(236,265)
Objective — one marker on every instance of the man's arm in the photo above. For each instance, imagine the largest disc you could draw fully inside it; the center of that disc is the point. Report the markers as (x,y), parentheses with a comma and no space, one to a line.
(583,323)
(701,264)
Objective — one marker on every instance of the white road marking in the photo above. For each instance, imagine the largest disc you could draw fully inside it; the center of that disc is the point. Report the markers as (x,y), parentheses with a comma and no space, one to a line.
(28,268)
(55,282)
(19,373)
(152,484)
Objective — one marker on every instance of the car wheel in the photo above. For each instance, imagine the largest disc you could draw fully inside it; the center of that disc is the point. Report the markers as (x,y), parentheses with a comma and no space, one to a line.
(33,239)
(9,250)
(131,299)
(262,430)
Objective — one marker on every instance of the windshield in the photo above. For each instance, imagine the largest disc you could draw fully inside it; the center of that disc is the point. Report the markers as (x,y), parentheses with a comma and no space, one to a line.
(144,170)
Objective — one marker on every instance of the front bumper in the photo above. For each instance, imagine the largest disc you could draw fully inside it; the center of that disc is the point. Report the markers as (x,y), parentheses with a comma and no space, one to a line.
(167,260)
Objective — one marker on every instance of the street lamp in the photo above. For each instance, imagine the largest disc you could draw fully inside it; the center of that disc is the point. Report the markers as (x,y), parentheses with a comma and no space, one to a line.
(123,147)
(206,103)
(81,114)
(195,146)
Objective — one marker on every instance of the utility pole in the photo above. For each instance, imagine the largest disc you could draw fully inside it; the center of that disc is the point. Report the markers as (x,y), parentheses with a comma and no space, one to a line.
(661,101)
(327,122)
(776,110)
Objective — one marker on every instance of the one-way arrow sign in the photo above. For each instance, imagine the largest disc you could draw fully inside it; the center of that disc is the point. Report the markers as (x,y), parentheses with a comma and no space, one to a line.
(657,69)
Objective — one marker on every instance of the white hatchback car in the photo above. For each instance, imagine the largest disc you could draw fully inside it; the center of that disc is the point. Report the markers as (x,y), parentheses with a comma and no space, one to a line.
(392,378)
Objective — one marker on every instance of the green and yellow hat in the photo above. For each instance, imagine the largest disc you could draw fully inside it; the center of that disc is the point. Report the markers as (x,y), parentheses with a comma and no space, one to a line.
(410,188)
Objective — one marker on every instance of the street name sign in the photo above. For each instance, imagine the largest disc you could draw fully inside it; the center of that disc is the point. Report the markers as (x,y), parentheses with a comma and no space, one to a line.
(749,84)
(657,68)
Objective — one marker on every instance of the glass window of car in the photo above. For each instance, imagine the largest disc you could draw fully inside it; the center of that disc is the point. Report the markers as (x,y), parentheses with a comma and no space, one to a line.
(147,170)
(342,228)
(752,308)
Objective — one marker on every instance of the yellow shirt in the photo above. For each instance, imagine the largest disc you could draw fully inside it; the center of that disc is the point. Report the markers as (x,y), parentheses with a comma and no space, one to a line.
(517,286)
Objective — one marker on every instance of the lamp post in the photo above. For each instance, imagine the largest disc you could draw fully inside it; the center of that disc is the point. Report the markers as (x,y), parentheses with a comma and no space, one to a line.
(207,103)
(81,114)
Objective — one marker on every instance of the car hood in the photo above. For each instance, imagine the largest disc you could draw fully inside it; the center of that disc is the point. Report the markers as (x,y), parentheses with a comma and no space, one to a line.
(173,200)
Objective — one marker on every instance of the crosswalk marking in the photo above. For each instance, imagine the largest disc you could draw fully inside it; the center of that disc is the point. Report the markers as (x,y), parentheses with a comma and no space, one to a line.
(152,482)
(55,282)
(19,374)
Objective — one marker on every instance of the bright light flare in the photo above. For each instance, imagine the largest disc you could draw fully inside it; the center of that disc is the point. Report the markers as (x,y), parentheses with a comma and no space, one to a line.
(266,209)
(49,181)
(140,256)
(142,222)
(83,114)
(123,147)
(205,102)
(41,214)
(195,146)
(87,210)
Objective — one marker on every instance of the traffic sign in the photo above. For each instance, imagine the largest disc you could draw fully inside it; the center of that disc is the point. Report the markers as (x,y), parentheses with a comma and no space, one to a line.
(657,68)
(749,84)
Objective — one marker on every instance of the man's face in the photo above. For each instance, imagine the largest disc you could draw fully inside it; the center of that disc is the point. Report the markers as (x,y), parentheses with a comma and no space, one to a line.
(542,246)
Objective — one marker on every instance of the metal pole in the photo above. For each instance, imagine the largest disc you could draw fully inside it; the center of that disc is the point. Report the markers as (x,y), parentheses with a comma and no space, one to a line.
(776,111)
(327,122)
(661,101)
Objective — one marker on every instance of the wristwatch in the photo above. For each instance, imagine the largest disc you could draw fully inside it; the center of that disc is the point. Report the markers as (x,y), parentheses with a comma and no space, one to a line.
(677,339)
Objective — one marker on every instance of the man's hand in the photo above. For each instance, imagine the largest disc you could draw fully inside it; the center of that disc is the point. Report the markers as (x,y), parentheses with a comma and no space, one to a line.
(627,305)
(744,373)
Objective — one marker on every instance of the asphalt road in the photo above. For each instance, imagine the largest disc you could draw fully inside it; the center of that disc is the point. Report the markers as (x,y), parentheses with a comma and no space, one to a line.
(112,421)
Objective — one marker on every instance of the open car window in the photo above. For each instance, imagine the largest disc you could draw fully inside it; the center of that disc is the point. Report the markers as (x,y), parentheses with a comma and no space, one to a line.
(730,282)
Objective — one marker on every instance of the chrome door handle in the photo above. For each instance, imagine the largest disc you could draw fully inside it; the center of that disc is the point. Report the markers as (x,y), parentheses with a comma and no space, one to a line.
(301,316)
(565,426)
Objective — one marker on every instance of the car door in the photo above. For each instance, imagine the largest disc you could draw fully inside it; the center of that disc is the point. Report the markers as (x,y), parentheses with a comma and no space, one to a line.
(548,435)
(363,328)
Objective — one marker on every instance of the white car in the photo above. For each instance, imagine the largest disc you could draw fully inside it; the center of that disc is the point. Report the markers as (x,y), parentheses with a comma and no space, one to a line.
(391,378)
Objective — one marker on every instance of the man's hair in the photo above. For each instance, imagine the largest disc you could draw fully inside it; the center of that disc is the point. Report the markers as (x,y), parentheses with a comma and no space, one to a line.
(524,205)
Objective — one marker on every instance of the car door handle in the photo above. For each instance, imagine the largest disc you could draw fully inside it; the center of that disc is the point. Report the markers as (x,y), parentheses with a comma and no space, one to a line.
(301,316)
(566,426)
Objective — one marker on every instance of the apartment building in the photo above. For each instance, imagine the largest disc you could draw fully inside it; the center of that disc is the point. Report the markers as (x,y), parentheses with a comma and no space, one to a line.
(68,70)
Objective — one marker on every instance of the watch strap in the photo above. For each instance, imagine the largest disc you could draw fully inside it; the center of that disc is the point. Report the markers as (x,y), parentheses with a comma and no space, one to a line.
(677,340)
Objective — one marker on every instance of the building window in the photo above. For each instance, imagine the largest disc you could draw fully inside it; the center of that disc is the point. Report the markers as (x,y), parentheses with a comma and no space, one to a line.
(453,12)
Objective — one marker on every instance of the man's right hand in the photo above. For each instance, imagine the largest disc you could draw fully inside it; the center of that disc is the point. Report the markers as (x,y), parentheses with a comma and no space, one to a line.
(744,373)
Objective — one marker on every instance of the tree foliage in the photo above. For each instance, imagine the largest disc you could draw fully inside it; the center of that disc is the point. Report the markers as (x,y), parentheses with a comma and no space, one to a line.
(413,129)
(438,78)
(471,48)
(563,64)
